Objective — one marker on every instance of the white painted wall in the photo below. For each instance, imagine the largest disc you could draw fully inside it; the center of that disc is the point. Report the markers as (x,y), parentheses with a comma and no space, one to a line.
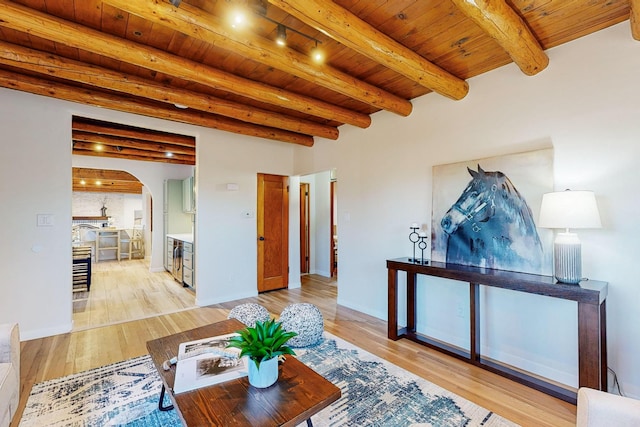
(585,106)
(36,178)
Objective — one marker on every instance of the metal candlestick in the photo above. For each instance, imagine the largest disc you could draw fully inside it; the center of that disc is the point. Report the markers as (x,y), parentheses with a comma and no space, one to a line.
(422,245)
(413,238)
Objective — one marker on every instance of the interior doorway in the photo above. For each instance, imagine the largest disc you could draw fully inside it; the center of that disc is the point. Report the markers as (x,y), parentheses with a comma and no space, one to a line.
(304,228)
(321,210)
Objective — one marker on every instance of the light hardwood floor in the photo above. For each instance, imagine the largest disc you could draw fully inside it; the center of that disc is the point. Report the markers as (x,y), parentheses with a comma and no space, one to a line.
(126,290)
(60,355)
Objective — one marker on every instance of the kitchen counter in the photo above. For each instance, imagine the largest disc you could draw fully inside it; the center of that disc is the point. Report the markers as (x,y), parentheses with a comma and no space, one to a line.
(185,237)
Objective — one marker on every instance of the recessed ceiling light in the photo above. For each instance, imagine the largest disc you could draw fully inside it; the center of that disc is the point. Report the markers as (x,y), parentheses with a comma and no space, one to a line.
(169,154)
(99,147)
(181,106)
(98,182)
(83,182)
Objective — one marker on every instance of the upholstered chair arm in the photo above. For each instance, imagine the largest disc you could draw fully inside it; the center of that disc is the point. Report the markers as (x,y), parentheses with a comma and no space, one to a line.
(10,344)
(600,409)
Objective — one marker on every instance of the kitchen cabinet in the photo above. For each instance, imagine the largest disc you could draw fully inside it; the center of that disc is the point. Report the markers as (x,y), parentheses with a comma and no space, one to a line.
(187,265)
(175,220)
(188,195)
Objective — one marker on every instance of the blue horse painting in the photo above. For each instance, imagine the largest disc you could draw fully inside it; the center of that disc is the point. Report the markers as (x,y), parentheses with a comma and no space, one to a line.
(491,225)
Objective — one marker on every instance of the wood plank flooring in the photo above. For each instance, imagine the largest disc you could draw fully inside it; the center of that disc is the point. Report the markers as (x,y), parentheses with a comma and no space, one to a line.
(64,354)
(126,290)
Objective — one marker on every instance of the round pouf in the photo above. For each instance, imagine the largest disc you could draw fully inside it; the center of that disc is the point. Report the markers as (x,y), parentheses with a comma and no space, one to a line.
(249,313)
(305,319)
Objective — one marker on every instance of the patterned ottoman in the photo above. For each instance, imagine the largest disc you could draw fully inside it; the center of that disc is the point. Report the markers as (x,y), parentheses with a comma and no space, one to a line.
(249,313)
(305,319)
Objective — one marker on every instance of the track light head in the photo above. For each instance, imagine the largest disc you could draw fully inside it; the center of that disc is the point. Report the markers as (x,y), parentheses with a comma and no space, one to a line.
(176,3)
(281,38)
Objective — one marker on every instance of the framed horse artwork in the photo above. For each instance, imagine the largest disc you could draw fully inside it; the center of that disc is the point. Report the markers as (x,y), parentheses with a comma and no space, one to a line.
(485,212)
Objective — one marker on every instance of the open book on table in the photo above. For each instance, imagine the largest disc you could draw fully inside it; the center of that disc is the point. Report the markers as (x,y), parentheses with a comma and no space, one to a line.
(207,361)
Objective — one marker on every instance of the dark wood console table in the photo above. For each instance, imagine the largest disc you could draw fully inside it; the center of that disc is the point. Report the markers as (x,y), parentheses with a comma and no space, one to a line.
(592,331)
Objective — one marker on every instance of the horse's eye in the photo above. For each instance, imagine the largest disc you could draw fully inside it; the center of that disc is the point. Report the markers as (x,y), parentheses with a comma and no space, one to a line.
(474,194)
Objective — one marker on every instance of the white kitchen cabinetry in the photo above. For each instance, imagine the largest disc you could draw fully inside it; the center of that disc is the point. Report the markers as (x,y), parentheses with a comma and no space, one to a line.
(187,265)
(188,195)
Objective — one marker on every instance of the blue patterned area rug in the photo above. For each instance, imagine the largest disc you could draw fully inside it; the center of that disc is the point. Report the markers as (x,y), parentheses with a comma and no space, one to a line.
(374,393)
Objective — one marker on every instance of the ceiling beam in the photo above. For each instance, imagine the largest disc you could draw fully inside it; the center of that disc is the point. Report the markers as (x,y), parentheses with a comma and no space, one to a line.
(123,131)
(634,19)
(30,21)
(103,174)
(131,143)
(132,156)
(508,29)
(201,25)
(90,148)
(57,66)
(349,30)
(24,83)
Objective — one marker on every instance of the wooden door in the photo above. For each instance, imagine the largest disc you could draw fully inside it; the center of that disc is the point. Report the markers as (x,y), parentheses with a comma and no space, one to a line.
(273,232)
(305,251)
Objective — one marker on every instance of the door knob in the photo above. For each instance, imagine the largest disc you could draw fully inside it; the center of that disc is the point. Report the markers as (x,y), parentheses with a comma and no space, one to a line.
(261,238)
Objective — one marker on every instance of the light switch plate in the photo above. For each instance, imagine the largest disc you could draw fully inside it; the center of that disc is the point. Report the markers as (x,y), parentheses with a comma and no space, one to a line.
(44,220)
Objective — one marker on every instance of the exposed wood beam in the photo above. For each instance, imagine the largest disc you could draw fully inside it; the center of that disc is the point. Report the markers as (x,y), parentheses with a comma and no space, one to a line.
(131,143)
(90,126)
(57,66)
(349,30)
(634,19)
(82,148)
(61,91)
(144,158)
(504,25)
(31,21)
(199,24)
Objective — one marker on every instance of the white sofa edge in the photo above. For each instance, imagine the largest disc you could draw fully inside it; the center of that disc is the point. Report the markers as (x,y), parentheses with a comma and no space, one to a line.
(10,378)
(601,409)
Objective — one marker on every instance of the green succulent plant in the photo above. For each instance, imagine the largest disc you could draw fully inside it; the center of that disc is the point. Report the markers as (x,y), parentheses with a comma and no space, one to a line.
(263,341)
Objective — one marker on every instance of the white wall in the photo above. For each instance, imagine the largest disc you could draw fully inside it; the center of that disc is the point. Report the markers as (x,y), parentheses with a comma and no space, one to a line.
(585,106)
(226,247)
(36,178)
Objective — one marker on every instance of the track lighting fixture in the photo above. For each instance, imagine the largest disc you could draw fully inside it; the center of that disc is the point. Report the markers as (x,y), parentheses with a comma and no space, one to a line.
(281,37)
(176,3)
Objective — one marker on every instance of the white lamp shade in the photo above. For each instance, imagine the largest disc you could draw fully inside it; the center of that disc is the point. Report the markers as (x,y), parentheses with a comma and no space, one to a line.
(569,209)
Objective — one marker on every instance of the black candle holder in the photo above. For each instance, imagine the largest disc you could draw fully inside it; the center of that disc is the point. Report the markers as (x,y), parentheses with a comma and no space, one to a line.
(422,245)
(414,238)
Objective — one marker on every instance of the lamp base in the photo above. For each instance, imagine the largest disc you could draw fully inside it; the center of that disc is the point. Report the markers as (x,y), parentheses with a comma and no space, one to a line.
(567,258)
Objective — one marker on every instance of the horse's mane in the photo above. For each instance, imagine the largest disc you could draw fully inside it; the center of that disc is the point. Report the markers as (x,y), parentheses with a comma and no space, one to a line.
(516,206)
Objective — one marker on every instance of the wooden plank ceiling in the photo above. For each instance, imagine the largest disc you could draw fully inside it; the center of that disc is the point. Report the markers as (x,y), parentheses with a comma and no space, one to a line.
(152,58)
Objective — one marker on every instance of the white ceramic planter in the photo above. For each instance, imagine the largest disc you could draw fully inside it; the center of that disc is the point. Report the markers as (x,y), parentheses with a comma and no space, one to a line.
(266,375)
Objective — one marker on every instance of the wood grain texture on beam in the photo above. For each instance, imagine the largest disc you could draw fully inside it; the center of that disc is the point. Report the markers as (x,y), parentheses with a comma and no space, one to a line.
(159,147)
(33,22)
(199,24)
(82,146)
(506,27)
(349,30)
(57,66)
(634,19)
(90,126)
(99,99)
(102,174)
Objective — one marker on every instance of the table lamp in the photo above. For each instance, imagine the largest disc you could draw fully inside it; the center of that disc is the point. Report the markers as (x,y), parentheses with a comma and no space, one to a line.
(568,209)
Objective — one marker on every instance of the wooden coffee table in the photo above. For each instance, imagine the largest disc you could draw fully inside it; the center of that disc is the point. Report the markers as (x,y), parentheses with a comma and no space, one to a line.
(298,394)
